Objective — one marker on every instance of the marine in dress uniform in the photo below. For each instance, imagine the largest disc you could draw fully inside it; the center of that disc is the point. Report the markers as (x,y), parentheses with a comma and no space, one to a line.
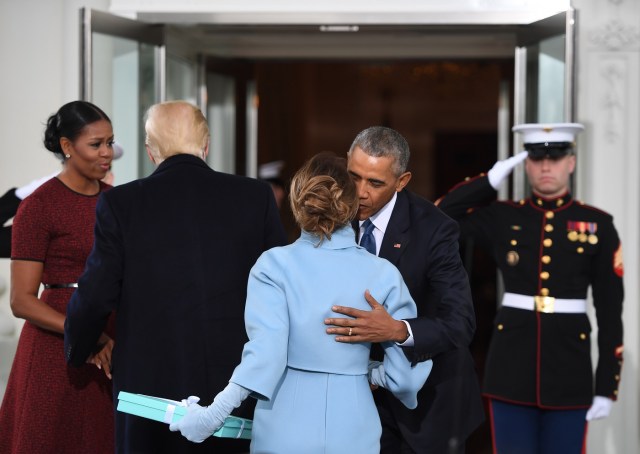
(550,248)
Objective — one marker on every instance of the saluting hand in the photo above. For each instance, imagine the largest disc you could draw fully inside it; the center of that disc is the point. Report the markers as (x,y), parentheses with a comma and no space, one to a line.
(502,169)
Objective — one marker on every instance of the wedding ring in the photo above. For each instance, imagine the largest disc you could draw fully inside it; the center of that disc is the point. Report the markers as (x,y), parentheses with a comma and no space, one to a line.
(350,330)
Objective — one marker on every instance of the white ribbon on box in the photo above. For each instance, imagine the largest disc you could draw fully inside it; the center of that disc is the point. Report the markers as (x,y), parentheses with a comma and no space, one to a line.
(171,407)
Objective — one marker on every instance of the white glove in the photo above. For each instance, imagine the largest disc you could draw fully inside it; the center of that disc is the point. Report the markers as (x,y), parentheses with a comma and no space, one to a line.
(600,408)
(376,374)
(201,422)
(190,400)
(502,169)
(28,188)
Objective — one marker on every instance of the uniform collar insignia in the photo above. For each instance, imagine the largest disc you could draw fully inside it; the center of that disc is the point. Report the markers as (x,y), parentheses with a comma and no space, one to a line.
(554,203)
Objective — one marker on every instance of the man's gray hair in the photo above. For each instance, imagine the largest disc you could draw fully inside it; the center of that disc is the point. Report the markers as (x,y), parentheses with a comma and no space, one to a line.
(380,141)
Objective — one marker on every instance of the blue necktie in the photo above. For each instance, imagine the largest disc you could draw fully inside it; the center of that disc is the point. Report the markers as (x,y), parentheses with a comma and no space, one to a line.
(367,240)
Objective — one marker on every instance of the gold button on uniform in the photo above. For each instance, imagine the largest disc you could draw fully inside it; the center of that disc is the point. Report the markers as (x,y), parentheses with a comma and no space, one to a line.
(549,215)
(546,259)
(544,291)
(544,275)
(615,392)
(617,377)
(547,242)
(580,250)
(548,228)
(500,327)
(583,336)
(513,242)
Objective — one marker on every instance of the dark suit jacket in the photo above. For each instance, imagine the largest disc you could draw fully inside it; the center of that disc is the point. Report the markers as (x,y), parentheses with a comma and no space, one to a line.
(423,244)
(172,255)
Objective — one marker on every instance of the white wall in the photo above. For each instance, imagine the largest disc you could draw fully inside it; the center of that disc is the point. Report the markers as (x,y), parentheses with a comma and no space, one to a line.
(609,164)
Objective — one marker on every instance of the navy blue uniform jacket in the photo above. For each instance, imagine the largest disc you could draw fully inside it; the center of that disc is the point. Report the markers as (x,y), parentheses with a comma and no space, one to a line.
(8,208)
(171,257)
(559,248)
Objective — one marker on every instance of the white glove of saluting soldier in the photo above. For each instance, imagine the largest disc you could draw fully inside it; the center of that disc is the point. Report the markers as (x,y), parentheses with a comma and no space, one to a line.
(502,169)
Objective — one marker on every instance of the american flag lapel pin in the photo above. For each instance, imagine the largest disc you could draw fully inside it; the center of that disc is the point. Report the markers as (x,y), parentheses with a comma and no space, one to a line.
(397,245)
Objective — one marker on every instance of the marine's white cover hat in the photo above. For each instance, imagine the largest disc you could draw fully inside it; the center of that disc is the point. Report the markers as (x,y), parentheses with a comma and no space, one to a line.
(118,151)
(548,132)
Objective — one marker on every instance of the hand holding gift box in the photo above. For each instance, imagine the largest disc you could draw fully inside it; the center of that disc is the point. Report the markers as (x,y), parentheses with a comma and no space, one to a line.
(172,411)
(199,421)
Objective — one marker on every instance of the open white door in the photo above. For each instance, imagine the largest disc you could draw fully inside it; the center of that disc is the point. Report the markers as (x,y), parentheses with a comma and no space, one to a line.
(544,89)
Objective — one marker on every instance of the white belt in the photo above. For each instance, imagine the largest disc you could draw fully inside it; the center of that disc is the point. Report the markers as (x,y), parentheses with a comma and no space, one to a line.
(546,304)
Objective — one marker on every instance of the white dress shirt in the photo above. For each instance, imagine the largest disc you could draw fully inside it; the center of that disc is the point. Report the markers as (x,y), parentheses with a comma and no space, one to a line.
(380,221)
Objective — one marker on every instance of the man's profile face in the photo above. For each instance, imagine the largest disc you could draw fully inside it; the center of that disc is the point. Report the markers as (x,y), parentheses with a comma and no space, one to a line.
(375,181)
(549,178)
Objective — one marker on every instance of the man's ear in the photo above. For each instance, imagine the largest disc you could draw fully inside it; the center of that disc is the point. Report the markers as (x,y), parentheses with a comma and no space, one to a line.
(572,163)
(149,154)
(403,180)
(206,151)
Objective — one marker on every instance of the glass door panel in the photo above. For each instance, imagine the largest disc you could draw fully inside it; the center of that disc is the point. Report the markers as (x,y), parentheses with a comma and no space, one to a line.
(123,85)
(545,79)
(544,87)
(182,79)
(221,115)
(551,80)
(122,72)
(231,107)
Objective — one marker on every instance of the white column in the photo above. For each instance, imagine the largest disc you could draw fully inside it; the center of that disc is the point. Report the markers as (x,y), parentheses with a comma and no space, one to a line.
(609,169)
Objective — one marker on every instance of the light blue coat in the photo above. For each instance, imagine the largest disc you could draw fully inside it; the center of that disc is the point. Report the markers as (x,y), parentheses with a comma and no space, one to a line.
(313,392)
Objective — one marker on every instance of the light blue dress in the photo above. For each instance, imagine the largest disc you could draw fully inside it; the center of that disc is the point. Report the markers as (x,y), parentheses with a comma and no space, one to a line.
(313,394)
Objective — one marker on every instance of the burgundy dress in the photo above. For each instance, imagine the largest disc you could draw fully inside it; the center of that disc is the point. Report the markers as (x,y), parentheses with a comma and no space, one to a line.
(50,407)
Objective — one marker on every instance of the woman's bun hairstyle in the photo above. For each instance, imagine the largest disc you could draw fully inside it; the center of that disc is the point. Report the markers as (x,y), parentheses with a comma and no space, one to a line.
(323,196)
(69,121)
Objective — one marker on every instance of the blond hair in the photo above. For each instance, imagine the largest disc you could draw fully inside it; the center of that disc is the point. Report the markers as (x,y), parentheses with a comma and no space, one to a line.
(323,196)
(176,127)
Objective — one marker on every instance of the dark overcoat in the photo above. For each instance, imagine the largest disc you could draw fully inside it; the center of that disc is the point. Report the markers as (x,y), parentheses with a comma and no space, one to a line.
(171,257)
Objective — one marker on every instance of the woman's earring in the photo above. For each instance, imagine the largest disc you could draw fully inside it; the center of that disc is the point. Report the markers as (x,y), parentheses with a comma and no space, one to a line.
(67,156)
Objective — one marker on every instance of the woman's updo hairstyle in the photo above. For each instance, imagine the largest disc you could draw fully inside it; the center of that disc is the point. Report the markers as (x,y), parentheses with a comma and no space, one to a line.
(69,121)
(323,196)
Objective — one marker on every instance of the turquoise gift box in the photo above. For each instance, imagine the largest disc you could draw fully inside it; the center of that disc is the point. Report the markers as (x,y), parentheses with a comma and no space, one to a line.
(168,411)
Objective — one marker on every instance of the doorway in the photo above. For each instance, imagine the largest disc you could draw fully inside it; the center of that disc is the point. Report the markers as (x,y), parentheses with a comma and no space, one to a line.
(446,109)
(284,93)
